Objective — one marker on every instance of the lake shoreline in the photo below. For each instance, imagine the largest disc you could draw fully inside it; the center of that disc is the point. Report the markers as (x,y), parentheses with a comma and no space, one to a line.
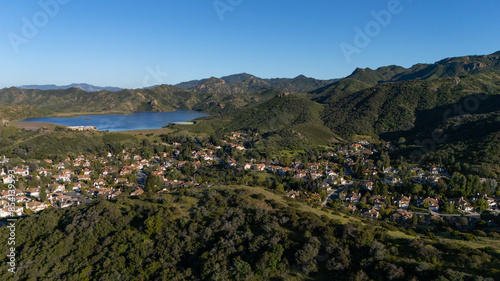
(112,121)
(78,114)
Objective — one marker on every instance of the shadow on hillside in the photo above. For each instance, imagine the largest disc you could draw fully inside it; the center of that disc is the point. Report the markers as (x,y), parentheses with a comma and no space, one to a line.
(471,106)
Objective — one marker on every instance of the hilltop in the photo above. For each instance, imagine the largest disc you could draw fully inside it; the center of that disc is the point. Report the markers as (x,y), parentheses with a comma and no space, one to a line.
(244,82)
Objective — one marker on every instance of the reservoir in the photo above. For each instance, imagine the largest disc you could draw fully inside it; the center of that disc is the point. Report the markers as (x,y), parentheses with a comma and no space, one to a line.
(129,122)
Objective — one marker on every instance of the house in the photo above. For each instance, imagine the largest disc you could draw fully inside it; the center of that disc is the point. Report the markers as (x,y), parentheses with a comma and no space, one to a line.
(58,188)
(125,171)
(121,180)
(247,166)
(437,170)
(68,203)
(491,201)
(23,199)
(391,180)
(8,179)
(351,208)
(331,174)
(6,195)
(368,185)
(417,171)
(391,170)
(24,172)
(105,192)
(67,172)
(99,182)
(114,194)
(372,213)
(293,194)
(157,173)
(87,172)
(36,206)
(83,177)
(300,174)
(342,181)
(273,168)
(368,152)
(11,211)
(4,212)
(9,194)
(259,167)
(55,198)
(433,204)
(402,216)
(353,198)
(137,192)
(315,175)
(402,202)
(44,172)
(61,178)
(313,166)
(357,146)
(232,163)
(378,201)
(460,204)
(283,171)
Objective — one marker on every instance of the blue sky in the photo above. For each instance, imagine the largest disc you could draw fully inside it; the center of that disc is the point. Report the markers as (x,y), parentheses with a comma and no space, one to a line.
(133,44)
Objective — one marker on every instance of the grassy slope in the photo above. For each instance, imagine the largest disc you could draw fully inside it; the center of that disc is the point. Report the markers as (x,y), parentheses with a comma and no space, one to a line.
(51,242)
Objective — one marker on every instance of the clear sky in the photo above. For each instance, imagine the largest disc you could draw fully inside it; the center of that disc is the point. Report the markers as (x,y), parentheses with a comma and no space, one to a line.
(132,44)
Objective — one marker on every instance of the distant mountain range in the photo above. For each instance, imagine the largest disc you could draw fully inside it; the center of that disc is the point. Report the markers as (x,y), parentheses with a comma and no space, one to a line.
(237,83)
(82,86)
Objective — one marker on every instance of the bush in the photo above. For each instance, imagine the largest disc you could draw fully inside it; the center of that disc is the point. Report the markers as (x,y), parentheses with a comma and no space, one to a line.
(468,237)
(479,233)
(493,234)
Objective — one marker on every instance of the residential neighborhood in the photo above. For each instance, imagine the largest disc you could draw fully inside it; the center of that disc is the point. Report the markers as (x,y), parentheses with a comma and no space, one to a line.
(348,175)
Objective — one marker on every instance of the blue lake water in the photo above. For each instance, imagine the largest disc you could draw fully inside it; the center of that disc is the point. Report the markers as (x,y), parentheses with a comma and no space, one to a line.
(134,121)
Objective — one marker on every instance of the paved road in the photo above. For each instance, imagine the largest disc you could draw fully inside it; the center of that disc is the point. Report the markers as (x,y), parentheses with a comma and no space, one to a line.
(141,178)
(449,215)
(334,194)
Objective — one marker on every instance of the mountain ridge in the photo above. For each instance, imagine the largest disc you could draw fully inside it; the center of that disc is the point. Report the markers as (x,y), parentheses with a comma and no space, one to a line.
(82,86)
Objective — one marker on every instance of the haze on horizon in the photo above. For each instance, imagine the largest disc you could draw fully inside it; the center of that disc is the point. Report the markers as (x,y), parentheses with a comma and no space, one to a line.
(132,45)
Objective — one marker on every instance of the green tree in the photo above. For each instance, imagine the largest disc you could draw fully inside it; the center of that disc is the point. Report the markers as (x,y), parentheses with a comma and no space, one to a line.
(43,193)
(153,183)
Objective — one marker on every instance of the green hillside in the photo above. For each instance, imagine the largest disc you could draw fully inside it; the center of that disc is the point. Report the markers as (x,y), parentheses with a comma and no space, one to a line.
(19,112)
(162,98)
(277,113)
(228,233)
(393,107)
